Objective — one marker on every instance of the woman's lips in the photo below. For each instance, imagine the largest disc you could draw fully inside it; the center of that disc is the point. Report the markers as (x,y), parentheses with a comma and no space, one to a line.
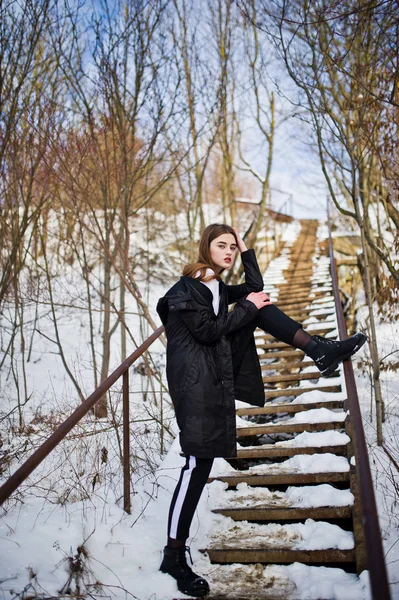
(227,260)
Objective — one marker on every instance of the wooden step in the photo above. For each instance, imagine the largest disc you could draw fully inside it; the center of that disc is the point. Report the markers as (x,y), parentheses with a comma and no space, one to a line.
(293,289)
(311,304)
(298,269)
(304,315)
(291,377)
(299,391)
(289,428)
(273,345)
(286,280)
(287,296)
(300,284)
(273,408)
(316,331)
(304,303)
(286,514)
(272,451)
(299,292)
(282,354)
(255,555)
(283,479)
(248,586)
(287,366)
(277,344)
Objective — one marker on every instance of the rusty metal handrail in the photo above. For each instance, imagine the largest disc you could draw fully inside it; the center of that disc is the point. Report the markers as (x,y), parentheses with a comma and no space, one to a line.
(371,528)
(44,450)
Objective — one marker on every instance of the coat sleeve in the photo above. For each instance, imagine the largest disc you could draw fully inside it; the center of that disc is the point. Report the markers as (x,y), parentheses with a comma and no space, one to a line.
(253,278)
(206,329)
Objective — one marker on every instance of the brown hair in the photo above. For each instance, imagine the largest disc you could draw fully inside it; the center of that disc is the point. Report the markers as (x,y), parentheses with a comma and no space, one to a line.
(204,260)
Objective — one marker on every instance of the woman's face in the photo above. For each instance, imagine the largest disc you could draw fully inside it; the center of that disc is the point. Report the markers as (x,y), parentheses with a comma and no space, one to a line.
(223,249)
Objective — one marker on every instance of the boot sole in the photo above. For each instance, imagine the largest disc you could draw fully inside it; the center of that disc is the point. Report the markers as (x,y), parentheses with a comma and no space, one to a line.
(330,370)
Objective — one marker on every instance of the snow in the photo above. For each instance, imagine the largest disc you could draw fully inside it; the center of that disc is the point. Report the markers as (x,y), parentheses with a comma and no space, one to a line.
(306,463)
(41,530)
(301,463)
(320,382)
(309,496)
(318,396)
(316,439)
(310,535)
(322,582)
(316,415)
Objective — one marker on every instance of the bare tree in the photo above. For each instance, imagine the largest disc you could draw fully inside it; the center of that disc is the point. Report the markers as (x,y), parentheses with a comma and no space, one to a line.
(343,60)
(28,88)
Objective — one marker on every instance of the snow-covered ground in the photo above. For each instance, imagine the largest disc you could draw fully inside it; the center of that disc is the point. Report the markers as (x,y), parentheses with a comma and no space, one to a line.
(68,532)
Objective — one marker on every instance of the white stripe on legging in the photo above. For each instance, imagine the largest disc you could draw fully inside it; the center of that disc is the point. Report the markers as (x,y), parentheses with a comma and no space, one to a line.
(181,497)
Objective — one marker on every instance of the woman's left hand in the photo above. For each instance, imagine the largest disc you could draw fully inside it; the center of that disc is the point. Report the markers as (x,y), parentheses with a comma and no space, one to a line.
(240,242)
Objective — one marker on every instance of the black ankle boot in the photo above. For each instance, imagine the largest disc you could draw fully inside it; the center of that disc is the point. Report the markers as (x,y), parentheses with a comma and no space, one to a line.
(174,563)
(327,354)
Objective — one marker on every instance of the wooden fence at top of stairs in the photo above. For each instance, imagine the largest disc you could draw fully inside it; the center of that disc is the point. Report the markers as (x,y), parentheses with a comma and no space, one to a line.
(305,291)
(270,435)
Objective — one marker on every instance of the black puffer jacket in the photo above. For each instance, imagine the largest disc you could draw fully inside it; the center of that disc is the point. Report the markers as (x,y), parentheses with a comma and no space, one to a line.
(199,359)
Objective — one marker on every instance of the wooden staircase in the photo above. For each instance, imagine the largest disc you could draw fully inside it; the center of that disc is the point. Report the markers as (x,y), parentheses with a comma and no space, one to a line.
(294,442)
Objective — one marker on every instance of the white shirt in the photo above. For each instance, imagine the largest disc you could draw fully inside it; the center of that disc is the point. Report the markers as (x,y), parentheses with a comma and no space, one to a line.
(213,285)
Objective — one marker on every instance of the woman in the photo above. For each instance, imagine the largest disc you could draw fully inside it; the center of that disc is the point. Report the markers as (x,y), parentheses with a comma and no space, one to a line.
(211,361)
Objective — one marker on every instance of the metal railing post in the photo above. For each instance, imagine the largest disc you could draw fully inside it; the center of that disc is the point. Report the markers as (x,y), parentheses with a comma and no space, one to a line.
(126,443)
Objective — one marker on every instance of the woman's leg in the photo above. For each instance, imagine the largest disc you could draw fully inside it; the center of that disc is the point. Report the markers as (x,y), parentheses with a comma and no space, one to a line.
(278,324)
(193,478)
(327,354)
(275,321)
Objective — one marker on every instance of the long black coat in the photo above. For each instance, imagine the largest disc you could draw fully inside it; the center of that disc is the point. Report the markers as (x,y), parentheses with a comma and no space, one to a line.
(211,360)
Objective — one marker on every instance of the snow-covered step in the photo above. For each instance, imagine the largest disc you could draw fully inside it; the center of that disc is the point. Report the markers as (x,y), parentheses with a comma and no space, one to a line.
(333,442)
(306,312)
(300,464)
(312,303)
(312,322)
(271,345)
(284,407)
(309,542)
(319,281)
(320,419)
(281,354)
(271,451)
(318,328)
(284,477)
(317,502)
(285,427)
(286,366)
(316,325)
(288,306)
(282,582)
(321,513)
(311,496)
(293,377)
(301,293)
(317,312)
(298,391)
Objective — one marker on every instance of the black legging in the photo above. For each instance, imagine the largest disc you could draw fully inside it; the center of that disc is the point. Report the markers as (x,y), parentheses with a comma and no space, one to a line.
(272,320)
(193,478)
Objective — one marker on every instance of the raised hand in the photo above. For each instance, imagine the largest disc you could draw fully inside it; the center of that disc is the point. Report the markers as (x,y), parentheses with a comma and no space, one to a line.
(240,242)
